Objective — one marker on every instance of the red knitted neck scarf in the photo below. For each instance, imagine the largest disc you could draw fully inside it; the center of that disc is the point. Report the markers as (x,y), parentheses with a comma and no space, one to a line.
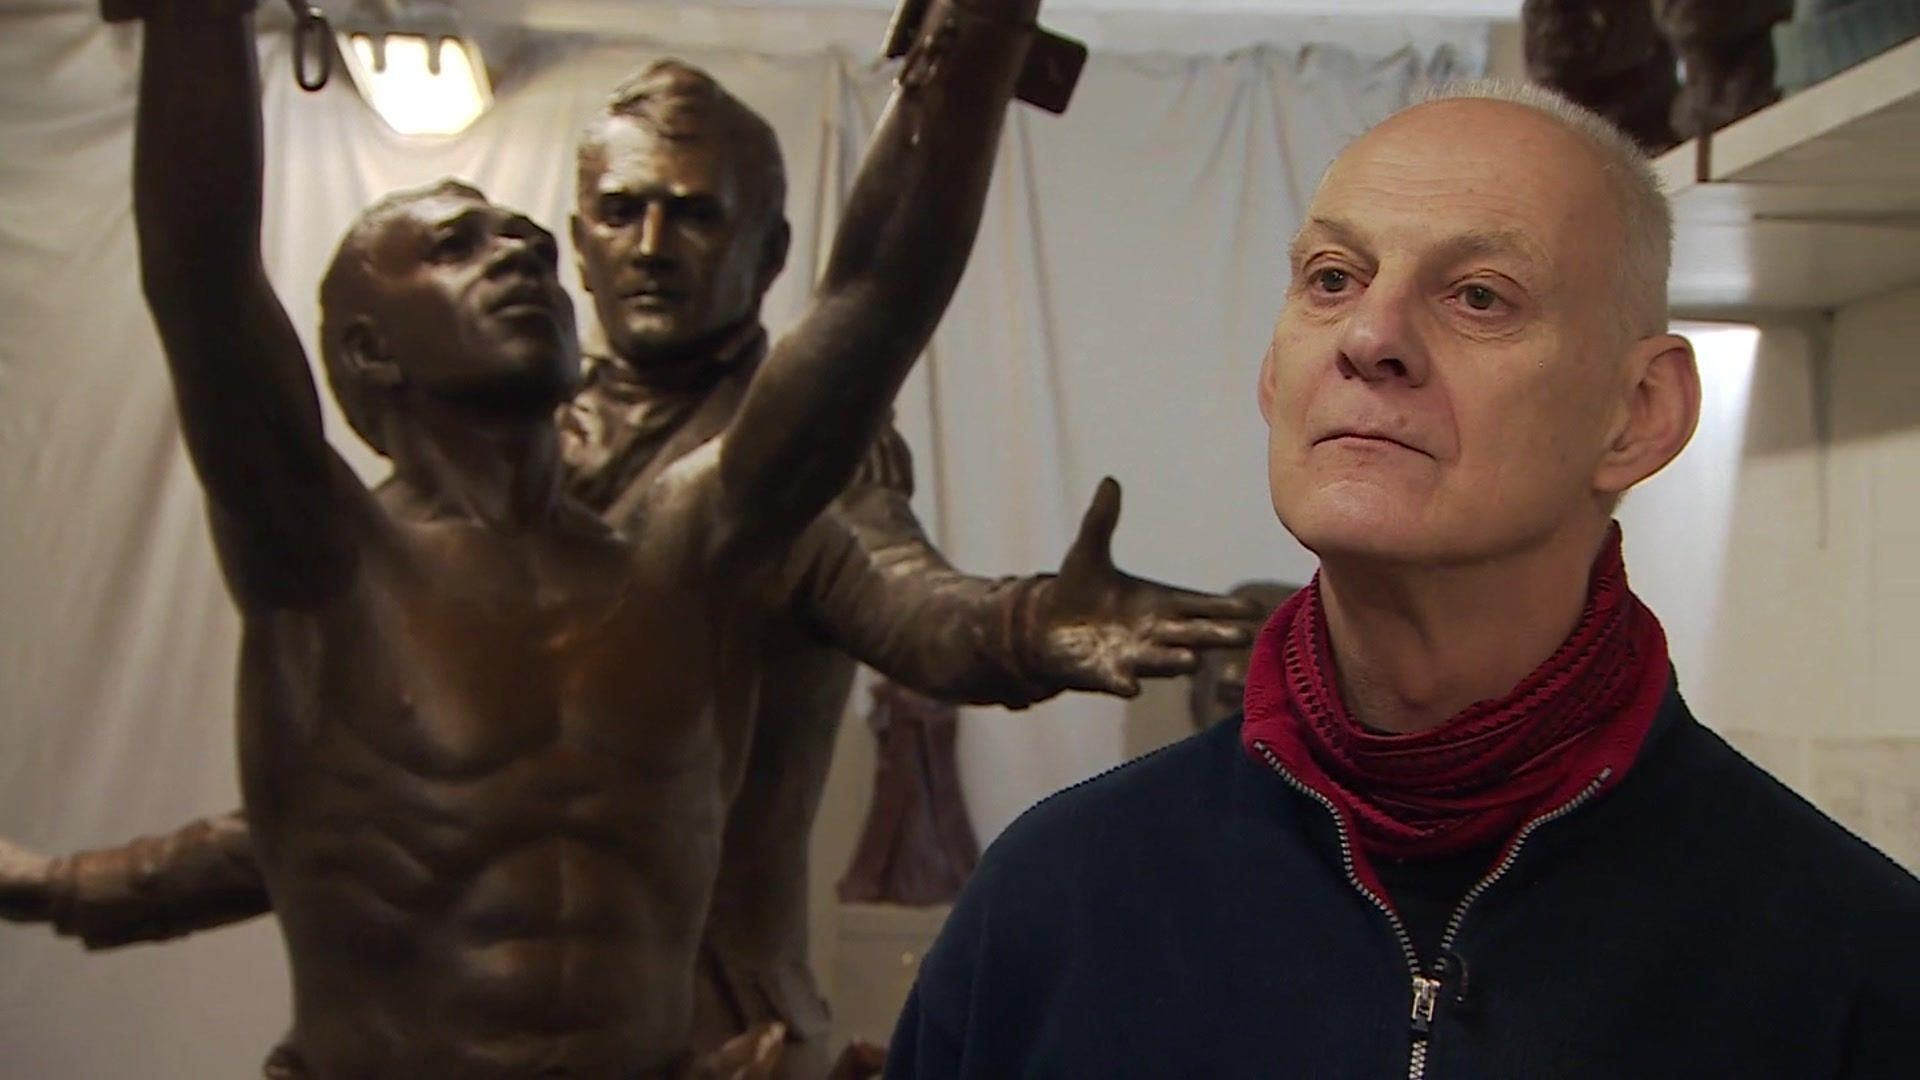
(1476,779)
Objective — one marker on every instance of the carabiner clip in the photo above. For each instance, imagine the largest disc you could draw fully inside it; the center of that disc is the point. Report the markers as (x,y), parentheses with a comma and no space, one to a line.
(311,33)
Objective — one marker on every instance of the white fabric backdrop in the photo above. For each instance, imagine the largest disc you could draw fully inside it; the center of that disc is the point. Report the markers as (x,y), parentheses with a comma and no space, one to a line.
(1115,311)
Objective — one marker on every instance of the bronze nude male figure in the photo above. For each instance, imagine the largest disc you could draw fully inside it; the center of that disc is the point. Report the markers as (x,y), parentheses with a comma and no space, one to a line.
(677,249)
(487,743)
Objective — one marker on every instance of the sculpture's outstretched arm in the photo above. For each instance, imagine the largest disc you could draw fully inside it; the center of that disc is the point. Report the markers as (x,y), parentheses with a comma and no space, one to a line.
(880,590)
(195,878)
(824,393)
(247,405)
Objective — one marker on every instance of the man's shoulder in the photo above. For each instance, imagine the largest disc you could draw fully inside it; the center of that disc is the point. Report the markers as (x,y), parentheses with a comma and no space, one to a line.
(1128,811)
(1766,825)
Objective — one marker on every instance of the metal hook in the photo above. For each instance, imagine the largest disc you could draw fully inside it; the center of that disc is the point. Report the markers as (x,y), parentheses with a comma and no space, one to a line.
(311,33)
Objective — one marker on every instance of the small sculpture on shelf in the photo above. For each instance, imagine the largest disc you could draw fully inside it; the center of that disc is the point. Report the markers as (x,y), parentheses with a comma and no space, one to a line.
(1608,56)
(1623,58)
(1726,49)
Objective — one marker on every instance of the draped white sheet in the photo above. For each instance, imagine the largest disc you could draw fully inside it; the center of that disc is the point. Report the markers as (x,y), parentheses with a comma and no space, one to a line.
(1112,321)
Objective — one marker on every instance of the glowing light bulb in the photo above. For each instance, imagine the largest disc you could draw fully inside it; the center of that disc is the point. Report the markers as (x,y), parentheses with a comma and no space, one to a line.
(408,94)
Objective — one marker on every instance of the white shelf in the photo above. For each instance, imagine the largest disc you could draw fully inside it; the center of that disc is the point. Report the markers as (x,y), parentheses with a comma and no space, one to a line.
(1810,203)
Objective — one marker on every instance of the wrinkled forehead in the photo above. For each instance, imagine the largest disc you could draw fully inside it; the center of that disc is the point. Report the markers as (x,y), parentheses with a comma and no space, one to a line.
(1478,172)
(625,156)
(399,235)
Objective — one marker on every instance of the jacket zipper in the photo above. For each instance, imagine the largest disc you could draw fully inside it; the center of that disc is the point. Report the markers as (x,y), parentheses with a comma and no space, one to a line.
(1426,989)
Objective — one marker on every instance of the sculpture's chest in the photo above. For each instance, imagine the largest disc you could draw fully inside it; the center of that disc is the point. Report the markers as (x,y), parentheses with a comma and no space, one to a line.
(463,676)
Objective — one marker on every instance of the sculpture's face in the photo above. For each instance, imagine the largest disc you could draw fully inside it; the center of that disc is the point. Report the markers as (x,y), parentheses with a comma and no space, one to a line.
(1448,366)
(466,302)
(666,247)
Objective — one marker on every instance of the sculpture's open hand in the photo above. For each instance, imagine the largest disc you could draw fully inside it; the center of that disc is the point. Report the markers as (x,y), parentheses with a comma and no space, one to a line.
(1096,628)
(26,890)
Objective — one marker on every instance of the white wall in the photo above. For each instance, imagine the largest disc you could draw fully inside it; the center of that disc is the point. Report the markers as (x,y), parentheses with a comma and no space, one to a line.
(1801,647)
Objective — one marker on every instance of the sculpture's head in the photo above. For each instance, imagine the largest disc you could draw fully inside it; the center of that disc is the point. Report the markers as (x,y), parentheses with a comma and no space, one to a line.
(1473,358)
(680,223)
(438,294)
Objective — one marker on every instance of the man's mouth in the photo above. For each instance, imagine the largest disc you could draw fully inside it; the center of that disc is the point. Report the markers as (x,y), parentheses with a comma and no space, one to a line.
(1365,438)
(523,300)
(653,297)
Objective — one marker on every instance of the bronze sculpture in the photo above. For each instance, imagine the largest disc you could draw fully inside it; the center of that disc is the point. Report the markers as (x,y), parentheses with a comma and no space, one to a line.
(1727,48)
(1608,56)
(1619,58)
(486,742)
(1092,627)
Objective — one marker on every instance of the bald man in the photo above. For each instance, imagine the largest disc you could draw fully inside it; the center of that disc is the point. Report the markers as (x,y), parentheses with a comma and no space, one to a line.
(1465,825)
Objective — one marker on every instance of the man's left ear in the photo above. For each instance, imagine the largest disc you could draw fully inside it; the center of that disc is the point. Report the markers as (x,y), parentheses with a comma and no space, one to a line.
(773,254)
(1662,408)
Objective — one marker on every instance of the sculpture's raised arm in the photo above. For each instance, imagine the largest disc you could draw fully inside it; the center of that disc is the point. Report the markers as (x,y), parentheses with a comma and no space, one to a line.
(821,398)
(247,405)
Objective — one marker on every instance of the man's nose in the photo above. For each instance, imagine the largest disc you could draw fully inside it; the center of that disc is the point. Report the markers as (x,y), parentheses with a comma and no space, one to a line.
(515,252)
(1380,341)
(653,231)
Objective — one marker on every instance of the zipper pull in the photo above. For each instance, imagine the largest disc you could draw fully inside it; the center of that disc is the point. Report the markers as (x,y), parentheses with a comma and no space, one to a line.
(1426,995)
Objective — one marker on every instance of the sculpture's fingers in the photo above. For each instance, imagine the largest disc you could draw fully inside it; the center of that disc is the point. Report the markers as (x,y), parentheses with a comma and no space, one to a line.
(769,1050)
(754,1054)
(1095,542)
(1163,661)
(26,891)
(1202,633)
(1108,678)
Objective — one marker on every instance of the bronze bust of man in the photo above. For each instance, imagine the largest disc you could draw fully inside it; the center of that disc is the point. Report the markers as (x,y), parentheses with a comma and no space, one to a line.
(680,235)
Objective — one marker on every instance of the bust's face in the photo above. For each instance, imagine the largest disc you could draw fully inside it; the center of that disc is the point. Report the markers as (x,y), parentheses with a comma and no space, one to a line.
(1448,364)
(467,302)
(665,245)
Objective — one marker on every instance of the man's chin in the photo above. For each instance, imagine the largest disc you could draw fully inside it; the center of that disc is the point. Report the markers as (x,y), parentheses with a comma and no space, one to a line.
(668,347)
(1359,526)
(656,334)
(532,388)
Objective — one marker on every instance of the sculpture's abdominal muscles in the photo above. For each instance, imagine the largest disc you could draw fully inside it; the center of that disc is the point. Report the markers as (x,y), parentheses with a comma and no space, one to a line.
(504,853)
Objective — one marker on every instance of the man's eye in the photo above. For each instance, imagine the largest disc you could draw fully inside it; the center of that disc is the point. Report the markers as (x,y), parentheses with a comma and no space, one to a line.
(1480,298)
(452,246)
(1331,280)
(700,211)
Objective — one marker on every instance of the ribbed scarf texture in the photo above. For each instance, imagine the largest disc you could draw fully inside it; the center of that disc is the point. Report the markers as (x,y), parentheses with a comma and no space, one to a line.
(1475,780)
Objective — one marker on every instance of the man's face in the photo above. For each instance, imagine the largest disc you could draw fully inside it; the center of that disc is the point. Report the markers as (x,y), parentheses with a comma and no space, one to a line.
(1448,364)
(666,246)
(467,304)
